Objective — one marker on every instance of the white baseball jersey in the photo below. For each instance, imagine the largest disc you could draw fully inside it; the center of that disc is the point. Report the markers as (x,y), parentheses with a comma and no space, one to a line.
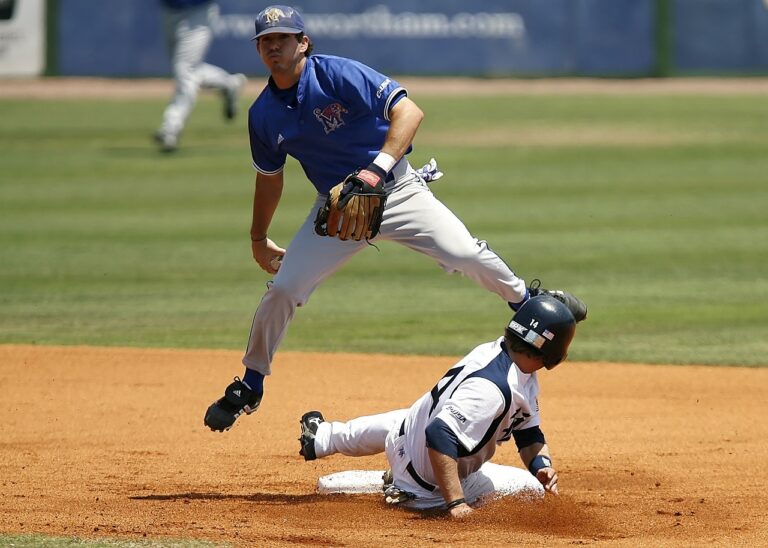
(482,399)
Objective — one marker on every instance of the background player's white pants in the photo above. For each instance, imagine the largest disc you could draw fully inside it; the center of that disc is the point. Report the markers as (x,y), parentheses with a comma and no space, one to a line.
(377,433)
(413,217)
(188,34)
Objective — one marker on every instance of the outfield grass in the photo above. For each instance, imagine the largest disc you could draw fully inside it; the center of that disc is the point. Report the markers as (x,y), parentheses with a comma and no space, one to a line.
(653,209)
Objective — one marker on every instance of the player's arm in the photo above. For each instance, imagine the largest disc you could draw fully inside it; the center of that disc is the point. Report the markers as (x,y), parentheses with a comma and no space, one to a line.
(404,120)
(534,453)
(266,196)
(446,472)
(458,427)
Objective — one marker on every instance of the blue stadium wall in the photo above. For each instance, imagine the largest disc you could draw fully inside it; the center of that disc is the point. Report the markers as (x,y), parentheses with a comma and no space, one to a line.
(613,38)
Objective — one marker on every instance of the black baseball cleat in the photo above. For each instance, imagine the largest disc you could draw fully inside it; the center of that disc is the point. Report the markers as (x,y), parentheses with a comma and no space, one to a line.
(574,304)
(310,422)
(238,399)
(231,95)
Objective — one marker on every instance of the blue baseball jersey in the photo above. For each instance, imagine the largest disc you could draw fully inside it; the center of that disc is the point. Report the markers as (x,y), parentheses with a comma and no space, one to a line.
(334,122)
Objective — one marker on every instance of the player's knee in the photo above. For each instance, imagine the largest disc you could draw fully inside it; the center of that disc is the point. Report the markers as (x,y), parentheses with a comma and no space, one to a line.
(462,258)
(285,294)
(183,71)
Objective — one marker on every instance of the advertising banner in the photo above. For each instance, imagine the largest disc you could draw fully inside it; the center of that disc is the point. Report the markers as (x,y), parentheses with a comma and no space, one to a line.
(22,37)
(428,37)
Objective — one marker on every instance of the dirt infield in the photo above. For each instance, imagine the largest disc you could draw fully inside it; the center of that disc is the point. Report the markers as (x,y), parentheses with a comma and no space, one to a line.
(101,442)
(151,88)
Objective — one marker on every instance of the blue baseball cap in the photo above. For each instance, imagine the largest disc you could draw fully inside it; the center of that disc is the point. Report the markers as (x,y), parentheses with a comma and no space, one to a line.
(282,19)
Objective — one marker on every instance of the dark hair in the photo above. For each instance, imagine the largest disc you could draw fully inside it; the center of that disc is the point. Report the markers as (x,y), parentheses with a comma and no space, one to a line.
(310,47)
(516,344)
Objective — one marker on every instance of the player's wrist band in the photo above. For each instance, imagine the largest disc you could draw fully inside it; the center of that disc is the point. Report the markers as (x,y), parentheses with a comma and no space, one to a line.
(385,161)
(373,174)
(539,462)
(455,503)
(259,239)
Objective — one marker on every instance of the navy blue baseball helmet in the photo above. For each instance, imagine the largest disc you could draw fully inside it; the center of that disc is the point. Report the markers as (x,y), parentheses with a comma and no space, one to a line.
(283,19)
(545,324)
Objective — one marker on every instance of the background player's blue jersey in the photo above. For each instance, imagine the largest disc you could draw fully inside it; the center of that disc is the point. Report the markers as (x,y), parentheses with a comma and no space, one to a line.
(334,122)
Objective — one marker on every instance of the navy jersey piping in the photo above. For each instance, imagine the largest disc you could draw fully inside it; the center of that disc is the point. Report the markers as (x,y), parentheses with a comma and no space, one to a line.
(496,372)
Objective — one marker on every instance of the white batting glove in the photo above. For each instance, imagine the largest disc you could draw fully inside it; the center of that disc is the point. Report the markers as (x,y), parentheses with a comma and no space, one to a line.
(429,171)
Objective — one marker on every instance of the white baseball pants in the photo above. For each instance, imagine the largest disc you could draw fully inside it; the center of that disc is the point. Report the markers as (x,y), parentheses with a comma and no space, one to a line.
(413,217)
(374,434)
(189,34)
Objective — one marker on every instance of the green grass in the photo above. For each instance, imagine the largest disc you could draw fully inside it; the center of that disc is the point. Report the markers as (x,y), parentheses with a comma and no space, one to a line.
(653,209)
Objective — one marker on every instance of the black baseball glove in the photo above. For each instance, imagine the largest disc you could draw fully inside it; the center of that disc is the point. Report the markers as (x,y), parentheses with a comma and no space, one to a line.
(355,207)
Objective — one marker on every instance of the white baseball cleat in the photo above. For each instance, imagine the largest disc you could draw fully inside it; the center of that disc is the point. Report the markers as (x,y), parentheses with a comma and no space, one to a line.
(231,95)
(167,140)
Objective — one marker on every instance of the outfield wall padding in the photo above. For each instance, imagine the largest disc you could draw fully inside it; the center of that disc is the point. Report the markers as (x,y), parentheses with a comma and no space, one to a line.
(615,38)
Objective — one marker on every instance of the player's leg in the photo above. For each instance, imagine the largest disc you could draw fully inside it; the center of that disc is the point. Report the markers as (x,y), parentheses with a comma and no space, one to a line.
(192,38)
(415,218)
(493,481)
(309,259)
(355,438)
(213,77)
(406,487)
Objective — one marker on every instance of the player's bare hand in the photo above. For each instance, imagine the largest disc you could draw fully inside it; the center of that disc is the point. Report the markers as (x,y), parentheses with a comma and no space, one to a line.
(267,254)
(461,511)
(548,478)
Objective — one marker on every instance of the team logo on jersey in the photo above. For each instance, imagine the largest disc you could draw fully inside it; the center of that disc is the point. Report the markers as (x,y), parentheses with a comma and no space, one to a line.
(382,87)
(273,15)
(330,117)
(458,415)
(518,417)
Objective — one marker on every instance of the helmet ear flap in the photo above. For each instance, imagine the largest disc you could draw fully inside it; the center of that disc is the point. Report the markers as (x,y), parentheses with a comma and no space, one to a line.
(550,365)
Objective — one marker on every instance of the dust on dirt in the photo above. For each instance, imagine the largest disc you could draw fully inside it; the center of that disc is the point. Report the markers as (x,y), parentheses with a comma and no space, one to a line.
(109,442)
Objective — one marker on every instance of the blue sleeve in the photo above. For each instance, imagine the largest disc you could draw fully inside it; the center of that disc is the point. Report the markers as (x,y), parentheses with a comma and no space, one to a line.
(364,87)
(528,436)
(266,159)
(399,94)
(442,439)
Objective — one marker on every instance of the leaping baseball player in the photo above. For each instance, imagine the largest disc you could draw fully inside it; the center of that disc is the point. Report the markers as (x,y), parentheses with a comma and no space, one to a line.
(439,449)
(350,128)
